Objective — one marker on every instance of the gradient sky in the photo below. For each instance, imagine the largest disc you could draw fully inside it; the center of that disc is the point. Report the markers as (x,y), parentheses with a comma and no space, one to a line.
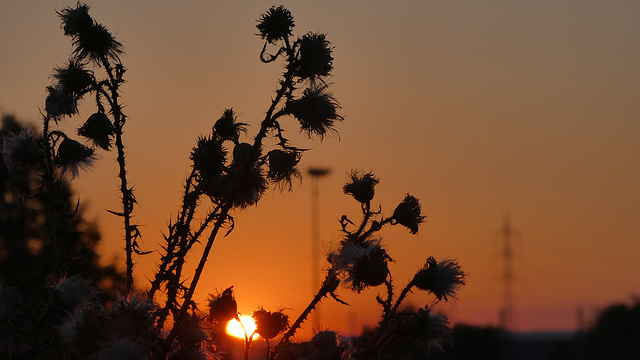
(479,109)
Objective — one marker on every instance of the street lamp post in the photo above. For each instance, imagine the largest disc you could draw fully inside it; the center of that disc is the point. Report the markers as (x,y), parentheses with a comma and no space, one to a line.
(315,173)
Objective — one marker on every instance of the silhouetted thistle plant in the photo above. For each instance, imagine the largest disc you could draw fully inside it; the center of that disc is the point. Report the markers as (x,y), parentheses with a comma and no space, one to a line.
(228,173)
(93,45)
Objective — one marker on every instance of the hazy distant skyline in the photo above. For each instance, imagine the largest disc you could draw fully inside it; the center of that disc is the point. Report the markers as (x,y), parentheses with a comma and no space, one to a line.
(477,108)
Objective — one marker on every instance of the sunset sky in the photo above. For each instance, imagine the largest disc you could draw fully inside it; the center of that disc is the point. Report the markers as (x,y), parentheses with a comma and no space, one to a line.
(478,108)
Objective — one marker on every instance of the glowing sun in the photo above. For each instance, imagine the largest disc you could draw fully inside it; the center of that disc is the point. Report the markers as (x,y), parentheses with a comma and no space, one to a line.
(234,328)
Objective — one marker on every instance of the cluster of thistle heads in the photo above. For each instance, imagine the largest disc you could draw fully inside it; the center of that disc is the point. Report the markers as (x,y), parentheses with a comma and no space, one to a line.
(361,259)
(360,262)
(240,172)
(93,46)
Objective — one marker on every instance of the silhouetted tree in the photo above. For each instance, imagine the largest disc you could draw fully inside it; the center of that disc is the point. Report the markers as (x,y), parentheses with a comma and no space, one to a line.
(27,259)
(474,343)
(616,333)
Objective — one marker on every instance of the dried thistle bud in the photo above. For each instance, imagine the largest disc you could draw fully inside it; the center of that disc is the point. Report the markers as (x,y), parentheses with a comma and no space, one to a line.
(227,128)
(74,79)
(22,150)
(270,324)
(314,58)
(132,316)
(361,265)
(72,157)
(245,185)
(316,110)
(99,129)
(209,157)
(76,21)
(275,24)
(242,154)
(59,102)
(97,44)
(361,186)
(191,333)
(223,307)
(442,278)
(282,166)
(371,270)
(408,214)
(328,345)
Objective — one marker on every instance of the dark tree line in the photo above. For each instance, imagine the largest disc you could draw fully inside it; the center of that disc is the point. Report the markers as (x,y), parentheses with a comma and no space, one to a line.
(27,260)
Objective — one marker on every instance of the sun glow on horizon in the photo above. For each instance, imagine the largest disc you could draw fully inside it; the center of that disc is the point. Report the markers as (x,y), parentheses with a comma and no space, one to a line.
(234,328)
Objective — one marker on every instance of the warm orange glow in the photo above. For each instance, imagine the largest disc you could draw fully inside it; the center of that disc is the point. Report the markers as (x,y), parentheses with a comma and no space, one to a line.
(234,328)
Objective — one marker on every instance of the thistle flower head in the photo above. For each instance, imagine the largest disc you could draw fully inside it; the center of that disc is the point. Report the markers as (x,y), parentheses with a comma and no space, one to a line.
(270,324)
(329,345)
(99,129)
(73,292)
(315,57)
(132,315)
(245,185)
(282,166)
(427,330)
(72,157)
(227,127)
(209,157)
(442,278)
(361,186)
(191,333)
(97,44)
(408,214)
(76,20)
(361,265)
(22,150)
(243,155)
(316,110)
(275,24)
(69,329)
(223,307)
(74,78)
(59,102)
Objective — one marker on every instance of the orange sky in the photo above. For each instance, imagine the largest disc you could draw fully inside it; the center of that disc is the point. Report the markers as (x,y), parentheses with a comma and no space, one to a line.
(477,108)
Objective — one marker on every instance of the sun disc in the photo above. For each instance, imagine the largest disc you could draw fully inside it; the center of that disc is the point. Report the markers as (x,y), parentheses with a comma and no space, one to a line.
(234,328)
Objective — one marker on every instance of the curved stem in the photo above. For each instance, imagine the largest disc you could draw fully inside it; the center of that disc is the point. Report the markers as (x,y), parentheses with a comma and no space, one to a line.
(403,294)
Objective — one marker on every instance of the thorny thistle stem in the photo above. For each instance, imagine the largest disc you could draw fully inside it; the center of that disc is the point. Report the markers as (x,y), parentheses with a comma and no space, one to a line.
(47,185)
(221,218)
(285,90)
(176,231)
(329,285)
(128,200)
(381,332)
